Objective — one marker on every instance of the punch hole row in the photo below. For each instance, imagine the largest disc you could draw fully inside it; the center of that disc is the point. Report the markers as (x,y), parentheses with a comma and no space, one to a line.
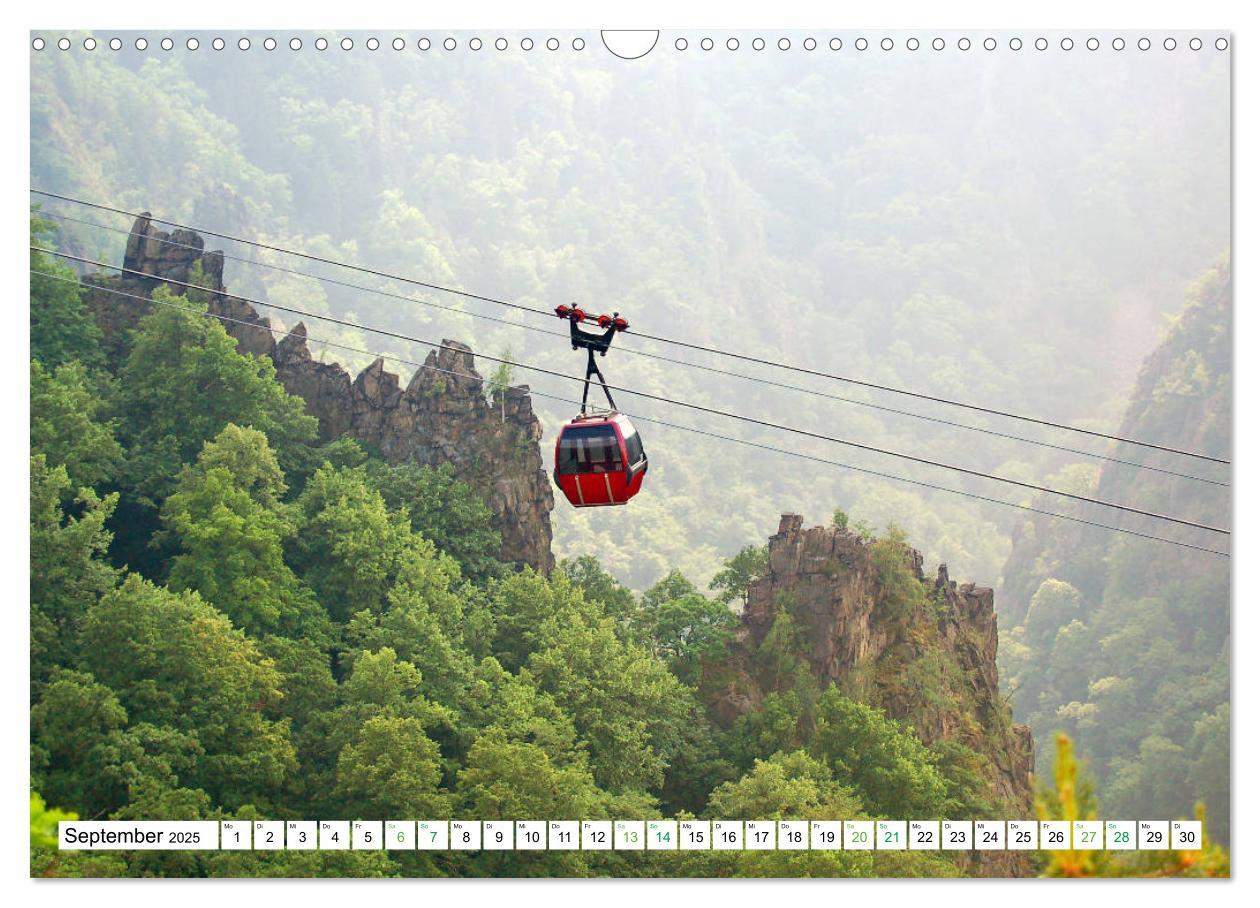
(296,44)
(940,44)
(578,44)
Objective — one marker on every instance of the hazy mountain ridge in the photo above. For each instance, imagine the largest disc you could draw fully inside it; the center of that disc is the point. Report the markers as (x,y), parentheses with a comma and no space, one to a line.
(1130,653)
(928,229)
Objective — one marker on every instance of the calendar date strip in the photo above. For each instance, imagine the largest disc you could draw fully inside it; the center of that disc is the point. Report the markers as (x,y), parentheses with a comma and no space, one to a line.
(630,835)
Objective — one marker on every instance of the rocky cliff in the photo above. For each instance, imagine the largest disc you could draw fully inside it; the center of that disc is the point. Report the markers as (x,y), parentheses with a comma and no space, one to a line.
(932,664)
(441,416)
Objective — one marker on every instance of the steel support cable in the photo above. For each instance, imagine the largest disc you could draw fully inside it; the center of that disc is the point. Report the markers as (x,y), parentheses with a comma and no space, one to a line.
(657,397)
(662,358)
(281,333)
(992,411)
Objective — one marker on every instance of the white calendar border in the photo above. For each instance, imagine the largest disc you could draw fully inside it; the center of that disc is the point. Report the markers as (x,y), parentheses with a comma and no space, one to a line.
(646,13)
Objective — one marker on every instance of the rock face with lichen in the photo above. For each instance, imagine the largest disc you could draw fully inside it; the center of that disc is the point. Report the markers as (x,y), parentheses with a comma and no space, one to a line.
(442,416)
(931,664)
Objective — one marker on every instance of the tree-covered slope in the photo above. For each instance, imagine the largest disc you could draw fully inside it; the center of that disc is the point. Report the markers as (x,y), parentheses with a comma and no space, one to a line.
(232,617)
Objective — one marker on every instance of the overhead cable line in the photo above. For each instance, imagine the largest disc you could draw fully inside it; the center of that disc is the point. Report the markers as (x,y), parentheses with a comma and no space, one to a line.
(991,411)
(281,333)
(657,397)
(656,356)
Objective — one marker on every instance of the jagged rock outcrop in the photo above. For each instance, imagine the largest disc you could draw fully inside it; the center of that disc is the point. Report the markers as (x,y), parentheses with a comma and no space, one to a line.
(829,580)
(177,259)
(326,387)
(441,417)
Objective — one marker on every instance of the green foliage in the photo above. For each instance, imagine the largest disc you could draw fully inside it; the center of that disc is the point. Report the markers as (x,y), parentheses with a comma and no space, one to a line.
(314,652)
(48,861)
(683,626)
(391,768)
(184,382)
(430,620)
(88,753)
(500,380)
(780,654)
(602,589)
(175,662)
(44,822)
(1071,797)
(796,785)
(1121,646)
(350,544)
(900,591)
(732,581)
(522,604)
(67,425)
(297,164)
(507,779)
(67,573)
(625,704)
(1054,605)
(673,585)
(691,630)
(966,789)
(786,785)
(444,510)
(865,531)
(352,646)
(227,517)
(775,726)
(895,774)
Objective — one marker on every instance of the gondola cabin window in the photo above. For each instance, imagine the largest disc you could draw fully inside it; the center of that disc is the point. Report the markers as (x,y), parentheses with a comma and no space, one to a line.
(591,449)
(634,444)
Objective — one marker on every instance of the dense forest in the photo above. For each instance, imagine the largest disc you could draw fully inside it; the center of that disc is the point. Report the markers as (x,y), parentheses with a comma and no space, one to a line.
(335,610)
(297,645)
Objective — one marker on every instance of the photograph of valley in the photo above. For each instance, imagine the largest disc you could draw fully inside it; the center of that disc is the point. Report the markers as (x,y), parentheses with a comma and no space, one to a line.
(903,490)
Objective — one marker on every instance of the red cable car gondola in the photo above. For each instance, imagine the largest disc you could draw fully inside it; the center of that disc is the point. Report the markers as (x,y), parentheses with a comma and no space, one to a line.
(599,456)
(599,460)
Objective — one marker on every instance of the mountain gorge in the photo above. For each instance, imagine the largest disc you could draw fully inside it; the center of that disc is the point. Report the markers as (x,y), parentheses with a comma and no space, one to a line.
(362,530)
(868,686)
(1127,652)
(874,232)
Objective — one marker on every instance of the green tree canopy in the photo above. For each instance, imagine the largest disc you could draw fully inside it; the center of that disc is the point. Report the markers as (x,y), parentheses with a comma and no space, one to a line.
(62,328)
(175,661)
(732,581)
(68,425)
(227,517)
(68,570)
(444,510)
(350,544)
(184,381)
(391,769)
(892,771)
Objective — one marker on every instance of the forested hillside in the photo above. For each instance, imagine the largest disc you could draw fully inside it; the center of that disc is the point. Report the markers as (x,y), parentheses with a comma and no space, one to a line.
(923,225)
(255,593)
(272,632)
(1129,653)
